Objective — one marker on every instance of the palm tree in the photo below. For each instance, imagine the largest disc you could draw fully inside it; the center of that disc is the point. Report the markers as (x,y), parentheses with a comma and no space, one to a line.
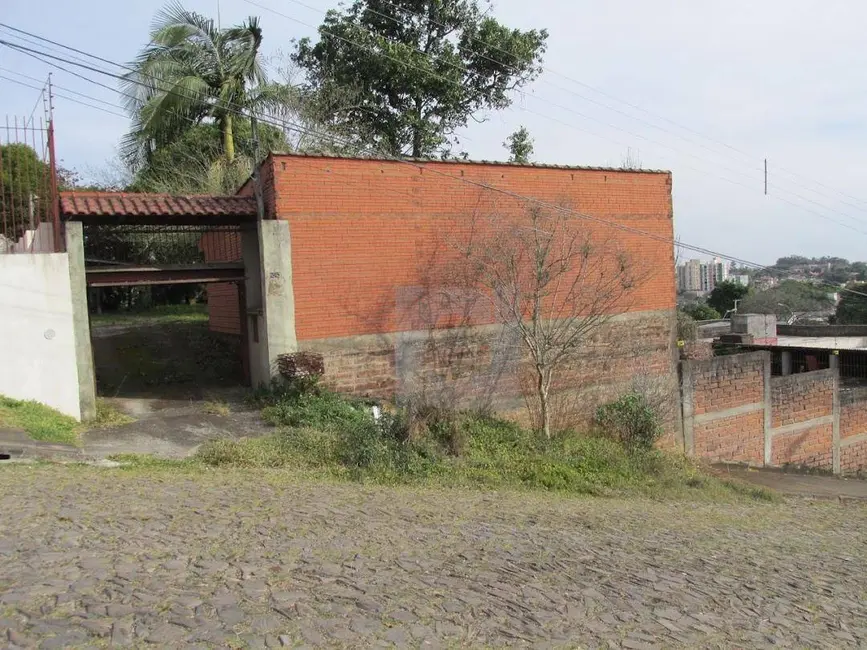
(190,72)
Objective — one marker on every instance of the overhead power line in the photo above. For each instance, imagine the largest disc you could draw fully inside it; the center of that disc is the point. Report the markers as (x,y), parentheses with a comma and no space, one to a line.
(634,106)
(526,95)
(288,124)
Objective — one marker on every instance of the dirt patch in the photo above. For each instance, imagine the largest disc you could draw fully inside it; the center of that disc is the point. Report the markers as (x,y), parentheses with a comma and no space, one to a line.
(174,360)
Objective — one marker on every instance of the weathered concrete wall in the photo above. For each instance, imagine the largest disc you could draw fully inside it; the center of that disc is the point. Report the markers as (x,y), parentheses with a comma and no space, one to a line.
(36,326)
(822,330)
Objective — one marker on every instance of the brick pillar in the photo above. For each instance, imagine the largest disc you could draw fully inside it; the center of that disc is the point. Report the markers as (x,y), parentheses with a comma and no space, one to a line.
(835,435)
(769,418)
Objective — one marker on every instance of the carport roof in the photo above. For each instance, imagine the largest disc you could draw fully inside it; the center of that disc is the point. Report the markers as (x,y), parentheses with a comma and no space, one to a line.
(121,205)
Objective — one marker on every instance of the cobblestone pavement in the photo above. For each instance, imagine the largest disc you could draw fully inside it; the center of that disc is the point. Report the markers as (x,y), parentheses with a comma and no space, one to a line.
(91,558)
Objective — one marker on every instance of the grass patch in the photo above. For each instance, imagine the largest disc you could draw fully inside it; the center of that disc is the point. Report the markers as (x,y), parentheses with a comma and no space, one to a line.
(41,422)
(108,416)
(146,462)
(216,407)
(184,313)
(322,434)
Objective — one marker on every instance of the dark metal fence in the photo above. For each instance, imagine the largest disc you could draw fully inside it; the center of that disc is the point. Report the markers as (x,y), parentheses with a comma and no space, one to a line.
(29,212)
(142,246)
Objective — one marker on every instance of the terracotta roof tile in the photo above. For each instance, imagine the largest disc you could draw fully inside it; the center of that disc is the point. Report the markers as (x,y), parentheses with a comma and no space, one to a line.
(108,204)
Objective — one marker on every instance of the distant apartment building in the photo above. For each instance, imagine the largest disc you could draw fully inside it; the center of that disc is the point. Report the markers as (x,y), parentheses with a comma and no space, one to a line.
(742,279)
(701,276)
(689,276)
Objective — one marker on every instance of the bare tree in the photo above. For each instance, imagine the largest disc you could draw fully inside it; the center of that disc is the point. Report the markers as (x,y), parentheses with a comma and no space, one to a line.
(550,282)
(631,159)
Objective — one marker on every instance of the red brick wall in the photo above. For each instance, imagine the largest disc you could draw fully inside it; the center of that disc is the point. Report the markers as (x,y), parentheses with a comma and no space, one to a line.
(477,368)
(853,458)
(853,422)
(801,397)
(853,413)
(798,399)
(811,447)
(363,229)
(728,382)
(739,438)
(718,385)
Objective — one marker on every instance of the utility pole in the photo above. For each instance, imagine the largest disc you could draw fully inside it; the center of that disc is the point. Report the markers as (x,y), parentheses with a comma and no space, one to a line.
(54,198)
(766,176)
(257,177)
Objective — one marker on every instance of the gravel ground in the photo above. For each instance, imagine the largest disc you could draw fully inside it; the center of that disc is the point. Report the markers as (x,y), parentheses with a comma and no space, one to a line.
(92,557)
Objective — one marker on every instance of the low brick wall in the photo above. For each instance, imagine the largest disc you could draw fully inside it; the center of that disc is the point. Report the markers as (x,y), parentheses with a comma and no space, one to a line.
(853,431)
(802,419)
(724,407)
(733,410)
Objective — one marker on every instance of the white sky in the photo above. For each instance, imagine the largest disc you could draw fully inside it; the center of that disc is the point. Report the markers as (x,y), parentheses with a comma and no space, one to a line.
(776,79)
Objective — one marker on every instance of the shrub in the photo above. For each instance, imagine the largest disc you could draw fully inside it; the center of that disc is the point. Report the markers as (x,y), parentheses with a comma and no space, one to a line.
(631,420)
(320,409)
(687,330)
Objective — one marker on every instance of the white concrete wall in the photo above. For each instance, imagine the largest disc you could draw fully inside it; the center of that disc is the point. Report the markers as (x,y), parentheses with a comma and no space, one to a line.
(37,343)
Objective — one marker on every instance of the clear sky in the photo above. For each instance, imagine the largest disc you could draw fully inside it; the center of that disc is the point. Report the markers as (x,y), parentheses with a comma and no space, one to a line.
(724,86)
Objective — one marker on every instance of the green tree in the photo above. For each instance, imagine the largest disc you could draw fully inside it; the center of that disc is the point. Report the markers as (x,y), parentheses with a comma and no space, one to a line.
(193,72)
(419,69)
(788,298)
(24,179)
(520,146)
(723,296)
(852,308)
(194,164)
(701,311)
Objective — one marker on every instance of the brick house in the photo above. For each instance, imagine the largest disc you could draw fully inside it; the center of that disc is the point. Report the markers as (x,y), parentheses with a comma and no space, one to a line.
(365,233)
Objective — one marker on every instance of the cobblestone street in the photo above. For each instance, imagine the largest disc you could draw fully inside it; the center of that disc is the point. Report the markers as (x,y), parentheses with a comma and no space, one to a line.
(94,557)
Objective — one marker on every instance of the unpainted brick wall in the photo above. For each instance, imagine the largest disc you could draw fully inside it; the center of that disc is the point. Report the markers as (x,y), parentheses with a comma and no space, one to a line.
(853,458)
(853,422)
(480,371)
(801,397)
(223,307)
(738,382)
(718,385)
(853,412)
(727,382)
(366,234)
(739,438)
(812,447)
(364,229)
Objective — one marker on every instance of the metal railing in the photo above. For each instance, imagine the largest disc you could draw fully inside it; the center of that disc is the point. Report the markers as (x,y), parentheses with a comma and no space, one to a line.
(29,209)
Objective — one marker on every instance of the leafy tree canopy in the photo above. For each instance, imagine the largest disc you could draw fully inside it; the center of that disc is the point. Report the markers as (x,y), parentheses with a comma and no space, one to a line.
(193,72)
(419,69)
(520,146)
(788,298)
(701,311)
(723,297)
(194,163)
(852,308)
(24,180)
